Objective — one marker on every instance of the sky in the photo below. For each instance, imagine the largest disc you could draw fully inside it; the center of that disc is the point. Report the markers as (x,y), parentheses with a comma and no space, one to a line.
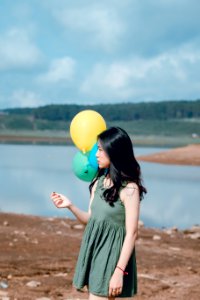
(89,52)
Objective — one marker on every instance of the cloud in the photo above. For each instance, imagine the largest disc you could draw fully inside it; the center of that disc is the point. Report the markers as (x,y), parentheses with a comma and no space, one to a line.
(98,51)
(61,69)
(163,76)
(24,98)
(17,51)
(101,26)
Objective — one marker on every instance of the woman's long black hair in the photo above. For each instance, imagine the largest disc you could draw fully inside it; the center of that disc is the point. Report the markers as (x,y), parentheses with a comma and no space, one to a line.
(123,164)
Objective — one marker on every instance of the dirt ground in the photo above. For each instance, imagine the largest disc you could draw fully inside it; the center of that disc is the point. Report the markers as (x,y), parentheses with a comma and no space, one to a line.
(189,155)
(38,257)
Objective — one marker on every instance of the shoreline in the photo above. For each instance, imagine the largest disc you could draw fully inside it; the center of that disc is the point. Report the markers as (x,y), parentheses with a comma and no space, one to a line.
(63,138)
(39,254)
(188,155)
(179,154)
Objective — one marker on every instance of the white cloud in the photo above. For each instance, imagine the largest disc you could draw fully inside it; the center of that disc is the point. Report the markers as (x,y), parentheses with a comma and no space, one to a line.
(161,77)
(123,51)
(108,80)
(61,69)
(24,98)
(17,50)
(101,25)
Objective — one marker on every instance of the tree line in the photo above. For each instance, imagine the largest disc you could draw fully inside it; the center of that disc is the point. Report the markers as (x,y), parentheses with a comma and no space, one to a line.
(164,110)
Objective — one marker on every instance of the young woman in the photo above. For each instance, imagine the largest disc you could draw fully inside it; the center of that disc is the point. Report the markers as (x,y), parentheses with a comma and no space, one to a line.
(107,260)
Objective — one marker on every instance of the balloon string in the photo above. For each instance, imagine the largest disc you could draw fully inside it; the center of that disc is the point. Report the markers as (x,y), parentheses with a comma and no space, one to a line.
(106,171)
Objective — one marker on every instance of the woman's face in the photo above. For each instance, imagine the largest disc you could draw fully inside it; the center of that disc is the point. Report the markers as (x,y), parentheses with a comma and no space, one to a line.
(102,158)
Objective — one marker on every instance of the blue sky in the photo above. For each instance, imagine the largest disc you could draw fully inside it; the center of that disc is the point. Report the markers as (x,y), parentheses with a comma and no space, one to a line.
(89,52)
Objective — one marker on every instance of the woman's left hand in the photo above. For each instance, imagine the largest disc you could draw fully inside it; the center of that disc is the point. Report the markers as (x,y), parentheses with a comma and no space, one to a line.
(116,283)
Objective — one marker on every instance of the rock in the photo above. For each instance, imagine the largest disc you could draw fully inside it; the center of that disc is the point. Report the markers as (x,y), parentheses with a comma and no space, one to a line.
(24,233)
(35,241)
(59,232)
(5,223)
(175,248)
(139,241)
(168,231)
(194,236)
(174,228)
(61,274)
(156,237)
(65,224)
(192,269)
(140,223)
(147,276)
(3,284)
(77,226)
(9,276)
(33,283)
(43,298)
(50,219)
(171,231)
(195,228)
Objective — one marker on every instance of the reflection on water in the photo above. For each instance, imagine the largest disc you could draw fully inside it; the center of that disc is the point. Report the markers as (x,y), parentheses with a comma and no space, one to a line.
(28,174)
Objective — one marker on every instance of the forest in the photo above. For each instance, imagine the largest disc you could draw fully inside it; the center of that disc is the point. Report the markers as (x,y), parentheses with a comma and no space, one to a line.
(164,110)
(179,120)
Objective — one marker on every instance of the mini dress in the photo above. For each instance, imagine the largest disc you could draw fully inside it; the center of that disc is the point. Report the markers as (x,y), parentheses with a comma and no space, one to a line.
(101,246)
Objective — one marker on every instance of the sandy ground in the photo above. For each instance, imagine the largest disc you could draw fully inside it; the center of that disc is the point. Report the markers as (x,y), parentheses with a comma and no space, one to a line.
(38,257)
(189,155)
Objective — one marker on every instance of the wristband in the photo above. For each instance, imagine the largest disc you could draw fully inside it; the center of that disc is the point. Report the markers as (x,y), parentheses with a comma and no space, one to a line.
(125,273)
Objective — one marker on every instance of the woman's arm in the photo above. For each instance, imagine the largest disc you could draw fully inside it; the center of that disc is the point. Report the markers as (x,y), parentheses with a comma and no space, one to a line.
(62,201)
(83,216)
(131,199)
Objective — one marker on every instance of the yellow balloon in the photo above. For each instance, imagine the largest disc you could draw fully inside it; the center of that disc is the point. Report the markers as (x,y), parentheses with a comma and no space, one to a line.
(85,127)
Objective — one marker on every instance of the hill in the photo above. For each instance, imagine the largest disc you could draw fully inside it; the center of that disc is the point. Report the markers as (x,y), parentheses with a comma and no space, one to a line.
(178,120)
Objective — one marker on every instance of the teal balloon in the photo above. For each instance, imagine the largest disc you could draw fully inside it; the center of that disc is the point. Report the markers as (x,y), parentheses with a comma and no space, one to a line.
(82,168)
(92,156)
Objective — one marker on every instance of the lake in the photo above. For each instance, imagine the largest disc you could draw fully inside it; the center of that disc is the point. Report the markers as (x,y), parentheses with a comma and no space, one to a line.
(29,173)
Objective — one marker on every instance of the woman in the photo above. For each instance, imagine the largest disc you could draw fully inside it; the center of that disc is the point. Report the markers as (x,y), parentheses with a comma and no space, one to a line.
(107,262)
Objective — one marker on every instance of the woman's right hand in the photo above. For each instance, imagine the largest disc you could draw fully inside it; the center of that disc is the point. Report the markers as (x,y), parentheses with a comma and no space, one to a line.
(60,200)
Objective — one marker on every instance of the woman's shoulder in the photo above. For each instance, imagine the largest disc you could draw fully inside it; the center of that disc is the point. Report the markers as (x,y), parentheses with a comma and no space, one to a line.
(128,190)
(128,186)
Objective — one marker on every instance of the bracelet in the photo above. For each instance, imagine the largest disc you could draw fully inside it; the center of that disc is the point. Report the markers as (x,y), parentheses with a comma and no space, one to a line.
(125,273)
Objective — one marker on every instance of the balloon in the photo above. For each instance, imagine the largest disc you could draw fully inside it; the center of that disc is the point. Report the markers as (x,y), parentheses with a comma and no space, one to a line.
(82,168)
(92,157)
(85,127)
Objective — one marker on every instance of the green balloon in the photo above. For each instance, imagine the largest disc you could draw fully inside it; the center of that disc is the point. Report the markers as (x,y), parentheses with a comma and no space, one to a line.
(82,168)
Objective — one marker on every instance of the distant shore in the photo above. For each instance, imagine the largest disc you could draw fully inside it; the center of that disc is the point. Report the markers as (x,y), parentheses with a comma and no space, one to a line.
(189,155)
(181,154)
(60,137)
(23,139)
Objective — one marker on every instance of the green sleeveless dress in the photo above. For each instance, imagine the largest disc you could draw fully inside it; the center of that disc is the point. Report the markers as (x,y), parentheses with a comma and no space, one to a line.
(101,247)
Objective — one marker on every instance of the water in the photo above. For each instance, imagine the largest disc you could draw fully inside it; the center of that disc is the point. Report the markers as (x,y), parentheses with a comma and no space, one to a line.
(29,173)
